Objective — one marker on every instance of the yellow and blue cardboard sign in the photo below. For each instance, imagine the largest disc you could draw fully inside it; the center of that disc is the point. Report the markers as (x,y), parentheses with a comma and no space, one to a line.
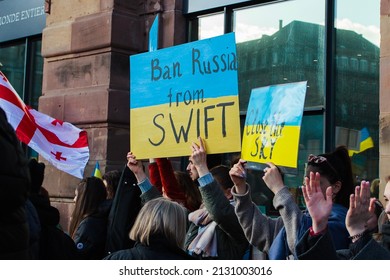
(180,93)
(273,124)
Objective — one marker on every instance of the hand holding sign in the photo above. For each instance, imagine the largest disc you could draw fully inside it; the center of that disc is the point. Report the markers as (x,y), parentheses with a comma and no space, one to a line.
(273,178)
(136,167)
(199,157)
(238,175)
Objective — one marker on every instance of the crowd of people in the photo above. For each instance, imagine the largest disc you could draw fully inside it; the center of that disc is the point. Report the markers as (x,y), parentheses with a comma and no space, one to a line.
(155,212)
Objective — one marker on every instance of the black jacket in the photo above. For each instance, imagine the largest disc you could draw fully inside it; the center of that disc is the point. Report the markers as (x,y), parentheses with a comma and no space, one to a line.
(54,244)
(14,187)
(90,237)
(322,248)
(159,249)
(123,212)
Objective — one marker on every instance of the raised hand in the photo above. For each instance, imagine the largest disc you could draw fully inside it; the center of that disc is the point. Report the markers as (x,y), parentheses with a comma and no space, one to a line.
(319,206)
(136,167)
(238,175)
(199,157)
(273,178)
(361,209)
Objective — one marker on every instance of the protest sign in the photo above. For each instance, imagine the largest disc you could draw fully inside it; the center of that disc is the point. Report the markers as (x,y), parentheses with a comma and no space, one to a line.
(273,124)
(180,93)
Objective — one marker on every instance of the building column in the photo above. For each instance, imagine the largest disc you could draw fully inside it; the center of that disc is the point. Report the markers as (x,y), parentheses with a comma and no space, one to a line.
(86,47)
(384,100)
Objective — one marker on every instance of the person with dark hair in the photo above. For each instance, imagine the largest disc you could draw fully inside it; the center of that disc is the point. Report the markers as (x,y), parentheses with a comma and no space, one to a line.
(111,181)
(221,175)
(336,168)
(54,244)
(159,232)
(277,237)
(214,231)
(193,199)
(317,243)
(212,161)
(15,184)
(88,225)
(374,188)
(125,207)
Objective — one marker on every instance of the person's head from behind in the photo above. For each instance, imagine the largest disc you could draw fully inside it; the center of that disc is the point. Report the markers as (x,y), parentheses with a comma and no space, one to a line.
(372,223)
(335,169)
(191,191)
(111,181)
(89,194)
(374,188)
(160,217)
(221,175)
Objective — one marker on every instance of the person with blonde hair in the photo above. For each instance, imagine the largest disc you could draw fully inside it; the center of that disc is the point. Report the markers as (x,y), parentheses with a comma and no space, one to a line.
(159,232)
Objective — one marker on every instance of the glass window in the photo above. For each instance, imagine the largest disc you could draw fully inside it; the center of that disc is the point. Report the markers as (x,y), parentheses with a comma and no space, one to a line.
(354,64)
(311,142)
(278,43)
(288,44)
(357,83)
(13,60)
(23,66)
(210,26)
(35,88)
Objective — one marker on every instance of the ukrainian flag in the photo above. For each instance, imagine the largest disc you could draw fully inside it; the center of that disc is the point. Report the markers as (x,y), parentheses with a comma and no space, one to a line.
(366,142)
(96,172)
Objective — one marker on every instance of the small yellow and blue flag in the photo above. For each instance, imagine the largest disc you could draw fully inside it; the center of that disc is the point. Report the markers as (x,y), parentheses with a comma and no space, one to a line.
(96,172)
(366,142)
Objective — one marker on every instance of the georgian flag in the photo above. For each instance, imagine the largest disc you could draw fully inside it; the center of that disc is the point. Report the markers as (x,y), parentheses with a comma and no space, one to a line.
(62,144)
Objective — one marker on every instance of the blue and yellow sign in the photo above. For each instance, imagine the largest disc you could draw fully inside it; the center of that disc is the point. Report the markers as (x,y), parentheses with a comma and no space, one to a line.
(180,93)
(273,124)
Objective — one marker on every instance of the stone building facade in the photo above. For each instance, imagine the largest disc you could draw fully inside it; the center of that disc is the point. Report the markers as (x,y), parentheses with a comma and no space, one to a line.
(86,75)
(384,94)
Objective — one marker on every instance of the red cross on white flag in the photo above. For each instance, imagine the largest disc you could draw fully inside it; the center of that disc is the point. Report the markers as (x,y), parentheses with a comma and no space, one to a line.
(61,143)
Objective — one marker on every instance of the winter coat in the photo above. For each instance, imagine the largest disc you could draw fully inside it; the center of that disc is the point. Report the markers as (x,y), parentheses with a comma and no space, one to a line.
(277,237)
(231,241)
(54,244)
(90,237)
(158,249)
(123,212)
(14,187)
(322,248)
